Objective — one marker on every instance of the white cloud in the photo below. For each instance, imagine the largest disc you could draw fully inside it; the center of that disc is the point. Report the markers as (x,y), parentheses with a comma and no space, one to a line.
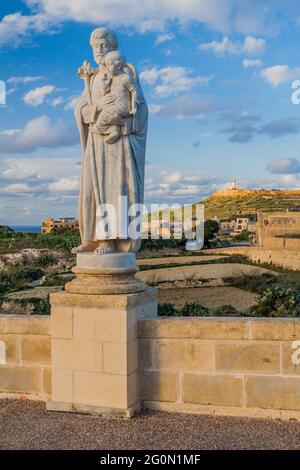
(10,132)
(254,46)
(149,15)
(221,48)
(280,74)
(39,132)
(169,80)
(251,63)
(154,108)
(161,186)
(47,178)
(71,102)
(248,17)
(56,101)
(185,106)
(222,15)
(37,96)
(70,184)
(11,91)
(284,166)
(23,79)
(161,38)
(251,46)
(21,189)
(44,167)
(16,27)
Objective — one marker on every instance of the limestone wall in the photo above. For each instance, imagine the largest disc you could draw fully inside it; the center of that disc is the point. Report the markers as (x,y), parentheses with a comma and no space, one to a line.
(282,243)
(286,258)
(208,365)
(226,366)
(25,356)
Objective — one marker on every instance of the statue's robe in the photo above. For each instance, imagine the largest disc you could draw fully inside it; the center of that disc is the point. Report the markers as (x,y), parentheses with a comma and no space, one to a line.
(110,170)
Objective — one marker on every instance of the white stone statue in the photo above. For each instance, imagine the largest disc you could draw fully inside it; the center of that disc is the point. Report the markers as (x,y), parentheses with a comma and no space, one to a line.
(112,117)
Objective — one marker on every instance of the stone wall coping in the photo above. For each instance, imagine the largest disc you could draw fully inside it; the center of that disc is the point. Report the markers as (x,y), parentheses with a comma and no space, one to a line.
(218,328)
(66,299)
(228,319)
(25,324)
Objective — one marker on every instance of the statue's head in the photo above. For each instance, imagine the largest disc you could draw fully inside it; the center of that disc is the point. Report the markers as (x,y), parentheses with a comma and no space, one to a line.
(103,41)
(115,62)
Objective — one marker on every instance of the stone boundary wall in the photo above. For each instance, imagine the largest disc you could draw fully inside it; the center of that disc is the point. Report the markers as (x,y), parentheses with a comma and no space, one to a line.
(281,243)
(239,367)
(288,259)
(25,355)
(232,366)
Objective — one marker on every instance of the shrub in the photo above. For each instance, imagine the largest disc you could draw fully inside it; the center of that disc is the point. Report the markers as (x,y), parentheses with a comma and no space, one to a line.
(227,311)
(192,309)
(160,243)
(45,259)
(16,277)
(243,236)
(6,232)
(211,227)
(278,301)
(166,310)
(11,277)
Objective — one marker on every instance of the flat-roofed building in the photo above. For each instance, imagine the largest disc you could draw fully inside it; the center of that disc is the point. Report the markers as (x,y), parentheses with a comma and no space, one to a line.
(278,229)
(63,222)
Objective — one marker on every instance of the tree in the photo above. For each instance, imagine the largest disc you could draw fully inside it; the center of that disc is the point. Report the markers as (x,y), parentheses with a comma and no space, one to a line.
(211,227)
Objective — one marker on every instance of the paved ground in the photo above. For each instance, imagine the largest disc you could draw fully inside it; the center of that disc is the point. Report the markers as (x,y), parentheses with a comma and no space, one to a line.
(202,272)
(27,425)
(178,260)
(210,297)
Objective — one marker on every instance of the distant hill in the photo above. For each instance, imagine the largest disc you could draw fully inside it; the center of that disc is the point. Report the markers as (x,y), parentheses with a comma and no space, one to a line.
(229,203)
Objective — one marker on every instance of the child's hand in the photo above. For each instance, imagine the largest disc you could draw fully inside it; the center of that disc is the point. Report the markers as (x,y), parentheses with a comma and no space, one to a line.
(94,129)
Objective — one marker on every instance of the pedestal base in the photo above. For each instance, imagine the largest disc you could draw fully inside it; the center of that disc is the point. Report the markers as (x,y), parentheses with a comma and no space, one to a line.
(94,339)
(92,410)
(105,274)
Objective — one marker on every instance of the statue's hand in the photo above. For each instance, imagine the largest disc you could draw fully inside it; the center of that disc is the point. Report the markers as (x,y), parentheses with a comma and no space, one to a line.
(85,71)
(105,101)
(89,114)
(94,129)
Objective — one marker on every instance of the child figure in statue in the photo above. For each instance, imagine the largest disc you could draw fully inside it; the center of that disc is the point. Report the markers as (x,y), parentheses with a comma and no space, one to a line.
(123,86)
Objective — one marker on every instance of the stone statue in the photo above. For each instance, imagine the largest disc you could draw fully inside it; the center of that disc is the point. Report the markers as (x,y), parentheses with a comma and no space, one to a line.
(112,118)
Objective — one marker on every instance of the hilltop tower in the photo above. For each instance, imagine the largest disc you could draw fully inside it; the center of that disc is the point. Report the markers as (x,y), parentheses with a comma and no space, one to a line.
(234,185)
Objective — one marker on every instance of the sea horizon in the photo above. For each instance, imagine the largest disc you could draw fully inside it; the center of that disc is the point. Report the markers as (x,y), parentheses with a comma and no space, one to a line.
(26,228)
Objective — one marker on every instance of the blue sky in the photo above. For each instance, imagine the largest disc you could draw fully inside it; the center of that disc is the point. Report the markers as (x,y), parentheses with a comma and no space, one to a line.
(217,75)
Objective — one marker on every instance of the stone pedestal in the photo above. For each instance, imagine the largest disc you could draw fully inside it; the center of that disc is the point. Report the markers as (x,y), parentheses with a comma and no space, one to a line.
(94,337)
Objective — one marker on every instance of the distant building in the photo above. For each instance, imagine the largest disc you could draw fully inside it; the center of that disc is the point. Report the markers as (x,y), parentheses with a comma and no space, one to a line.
(165,229)
(243,223)
(226,227)
(275,229)
(236,226)
(234,186)
(63,222)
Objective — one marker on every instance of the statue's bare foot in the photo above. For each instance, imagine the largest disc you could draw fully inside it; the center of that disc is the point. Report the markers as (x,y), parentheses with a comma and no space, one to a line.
(113,137)
(105,247)
(103,251)
(84,247)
